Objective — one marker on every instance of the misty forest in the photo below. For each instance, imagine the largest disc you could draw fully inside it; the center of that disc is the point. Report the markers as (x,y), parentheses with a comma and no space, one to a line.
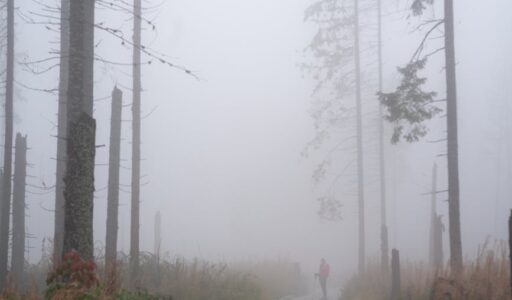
(259,150)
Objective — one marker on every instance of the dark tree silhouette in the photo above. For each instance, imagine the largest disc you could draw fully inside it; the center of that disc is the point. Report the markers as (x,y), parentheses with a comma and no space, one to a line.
(18,211)
(113,183)
(7,174)
(135,201)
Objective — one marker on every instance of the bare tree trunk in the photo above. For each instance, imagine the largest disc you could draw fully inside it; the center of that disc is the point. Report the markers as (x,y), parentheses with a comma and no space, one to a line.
(360,170)
(79,190)
(158,244)
(453,152)
(58,236)
(395,270)
(158,235)
(18,211)
(383,206)
(510,247)
(113,182)
(134,229)
(433,216)
(438,242)
(81,149)
(6,178)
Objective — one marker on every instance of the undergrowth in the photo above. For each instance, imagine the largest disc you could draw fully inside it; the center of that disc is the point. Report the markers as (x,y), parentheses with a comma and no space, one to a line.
(485,278)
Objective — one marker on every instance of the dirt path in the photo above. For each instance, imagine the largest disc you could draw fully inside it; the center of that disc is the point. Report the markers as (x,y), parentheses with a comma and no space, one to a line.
(332,294)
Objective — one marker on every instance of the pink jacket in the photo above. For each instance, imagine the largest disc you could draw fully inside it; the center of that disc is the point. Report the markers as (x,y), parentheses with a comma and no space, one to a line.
(324,270)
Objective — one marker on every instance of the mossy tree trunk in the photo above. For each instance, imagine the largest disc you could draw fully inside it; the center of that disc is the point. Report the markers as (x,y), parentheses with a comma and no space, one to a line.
(81,128)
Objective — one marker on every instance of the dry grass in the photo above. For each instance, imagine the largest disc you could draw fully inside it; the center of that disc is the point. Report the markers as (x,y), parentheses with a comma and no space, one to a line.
(180,278)
(485,278)
(203,280)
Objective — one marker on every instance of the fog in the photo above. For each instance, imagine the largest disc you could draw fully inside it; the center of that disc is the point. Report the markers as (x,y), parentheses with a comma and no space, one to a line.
(223,154)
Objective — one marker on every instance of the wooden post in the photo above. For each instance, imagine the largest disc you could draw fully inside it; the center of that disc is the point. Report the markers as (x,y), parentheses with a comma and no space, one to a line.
(395,271)
(18,212)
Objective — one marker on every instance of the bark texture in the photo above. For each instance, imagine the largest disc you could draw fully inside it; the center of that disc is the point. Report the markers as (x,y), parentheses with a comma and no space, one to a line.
(81,129)
(79,180)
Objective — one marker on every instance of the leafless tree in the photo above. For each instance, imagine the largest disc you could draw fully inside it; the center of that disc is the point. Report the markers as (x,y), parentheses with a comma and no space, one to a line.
(7,174)
(18,211)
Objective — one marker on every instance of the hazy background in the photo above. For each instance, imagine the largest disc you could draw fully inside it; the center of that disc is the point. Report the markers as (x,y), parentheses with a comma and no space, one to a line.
(222,155)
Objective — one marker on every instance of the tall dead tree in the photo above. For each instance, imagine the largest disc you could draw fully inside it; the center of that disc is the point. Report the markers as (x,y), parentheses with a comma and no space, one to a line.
(113,181)
(158,236)
(158,246)
(58,236)
(81,129)
(359,120)
(6,178)
(510,247)
(382,165)
(438,259)
(18,211)
(395,275)
(409,107)
(433,215)
(452,131)
(336,68)
(436,256)
(135,201)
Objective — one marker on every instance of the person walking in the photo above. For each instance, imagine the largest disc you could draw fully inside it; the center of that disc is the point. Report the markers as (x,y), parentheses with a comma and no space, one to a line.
(323,274)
